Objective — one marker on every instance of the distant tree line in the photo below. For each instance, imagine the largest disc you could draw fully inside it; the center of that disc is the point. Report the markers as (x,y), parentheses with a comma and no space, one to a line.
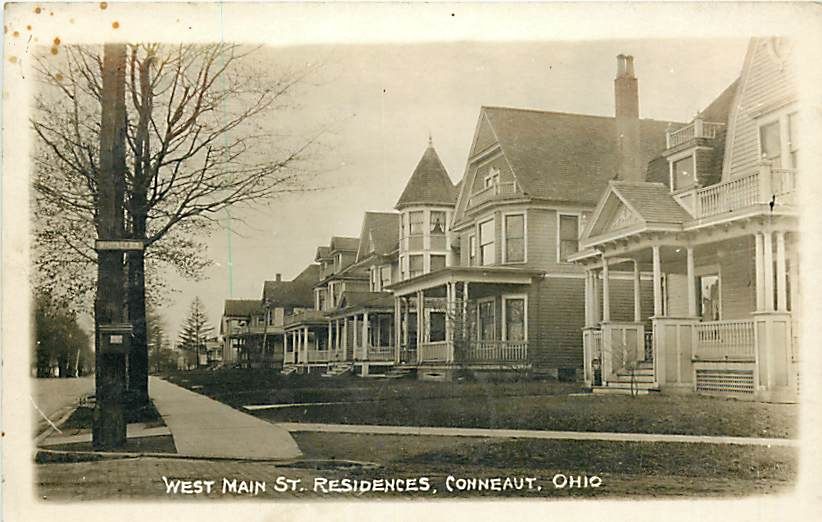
(61,346)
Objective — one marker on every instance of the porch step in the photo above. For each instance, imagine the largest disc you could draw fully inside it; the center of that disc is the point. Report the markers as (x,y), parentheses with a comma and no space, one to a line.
(625,376)
(612,390)
(337,369)
(288,370)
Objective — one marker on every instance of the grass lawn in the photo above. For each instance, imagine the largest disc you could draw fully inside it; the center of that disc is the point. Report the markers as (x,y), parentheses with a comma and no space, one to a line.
(543,405)
(626,468)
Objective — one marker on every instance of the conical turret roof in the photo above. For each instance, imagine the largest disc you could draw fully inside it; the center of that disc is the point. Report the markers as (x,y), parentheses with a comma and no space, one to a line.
(429,184)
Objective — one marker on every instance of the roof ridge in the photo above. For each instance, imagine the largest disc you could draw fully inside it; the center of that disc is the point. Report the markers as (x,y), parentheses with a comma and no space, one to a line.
(564,113)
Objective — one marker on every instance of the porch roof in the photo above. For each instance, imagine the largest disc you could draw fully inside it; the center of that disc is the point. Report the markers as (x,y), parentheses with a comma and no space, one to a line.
(305,318)
(470,274)
(354,302)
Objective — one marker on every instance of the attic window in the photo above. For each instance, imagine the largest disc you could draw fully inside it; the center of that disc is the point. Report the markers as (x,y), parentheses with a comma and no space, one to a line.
(492,178)
(683,173)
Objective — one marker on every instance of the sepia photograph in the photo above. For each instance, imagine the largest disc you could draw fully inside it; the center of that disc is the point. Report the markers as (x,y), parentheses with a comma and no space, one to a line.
(307,255)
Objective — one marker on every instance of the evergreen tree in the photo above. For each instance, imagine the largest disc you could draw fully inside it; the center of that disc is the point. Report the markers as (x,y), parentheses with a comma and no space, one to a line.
(196,331)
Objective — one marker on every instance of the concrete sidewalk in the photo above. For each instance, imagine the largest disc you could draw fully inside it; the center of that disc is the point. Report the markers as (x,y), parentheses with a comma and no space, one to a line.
(203,427)
(532,434)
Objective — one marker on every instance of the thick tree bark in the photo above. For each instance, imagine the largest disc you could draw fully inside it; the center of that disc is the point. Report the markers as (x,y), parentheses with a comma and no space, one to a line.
(138,356)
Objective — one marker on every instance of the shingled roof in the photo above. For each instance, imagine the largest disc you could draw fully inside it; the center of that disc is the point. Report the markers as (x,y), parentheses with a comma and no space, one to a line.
(353,299)
(652,201)
(242,307)
(429,184)
(349,244)
(380,234)
(566,157)
(297,292)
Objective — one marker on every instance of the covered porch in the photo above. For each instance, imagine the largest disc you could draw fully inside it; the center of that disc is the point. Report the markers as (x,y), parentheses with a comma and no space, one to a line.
(722,318)
(362,328)
(468,317)
(305,342)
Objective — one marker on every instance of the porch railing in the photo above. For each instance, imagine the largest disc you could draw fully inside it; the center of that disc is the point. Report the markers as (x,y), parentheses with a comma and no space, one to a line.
(408,355)
(758,187)
(722,340)
(380,353)
(290,358)
(434,352)
(697,129)
(507,188)
(649,346)
(592,349)
(318,355)
(492,351)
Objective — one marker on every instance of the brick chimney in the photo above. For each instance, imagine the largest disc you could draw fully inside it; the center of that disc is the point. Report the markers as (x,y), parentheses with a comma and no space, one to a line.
(626,101)
(278,277)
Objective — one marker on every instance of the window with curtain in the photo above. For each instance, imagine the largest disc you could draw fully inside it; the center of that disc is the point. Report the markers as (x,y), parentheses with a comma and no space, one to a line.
(437,263)
(568,236)
(385,276)
(709,305)
(770,144)
(437,222)
(515,238)
(416,221)
(472,250)
(486,242)
(515,319)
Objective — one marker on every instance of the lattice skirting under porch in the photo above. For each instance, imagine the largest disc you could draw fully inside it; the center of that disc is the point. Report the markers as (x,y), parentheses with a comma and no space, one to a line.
(725,381)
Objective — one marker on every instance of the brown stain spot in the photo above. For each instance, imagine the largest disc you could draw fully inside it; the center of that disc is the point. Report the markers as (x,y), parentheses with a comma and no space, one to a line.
(16,34)
(103,5)
(38,10)
(28,28)
(115,25)
(71,20)
(54,50)
(13,59)
(58,77)
(57,40)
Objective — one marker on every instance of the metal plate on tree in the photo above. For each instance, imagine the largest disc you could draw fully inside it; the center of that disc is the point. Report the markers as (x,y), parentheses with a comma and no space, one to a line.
(118,244)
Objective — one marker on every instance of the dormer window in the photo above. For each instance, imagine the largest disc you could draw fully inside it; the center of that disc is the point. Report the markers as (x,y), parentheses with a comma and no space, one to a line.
(492,178)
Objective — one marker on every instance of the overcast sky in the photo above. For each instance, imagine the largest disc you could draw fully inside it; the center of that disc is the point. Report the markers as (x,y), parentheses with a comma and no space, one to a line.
(380,103)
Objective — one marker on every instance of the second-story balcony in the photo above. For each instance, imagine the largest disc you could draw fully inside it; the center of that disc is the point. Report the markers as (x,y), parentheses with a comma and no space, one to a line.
(501,190)
(698,129)
(764,186)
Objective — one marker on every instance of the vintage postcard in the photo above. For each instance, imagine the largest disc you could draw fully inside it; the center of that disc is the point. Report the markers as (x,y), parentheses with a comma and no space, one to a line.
(405,260)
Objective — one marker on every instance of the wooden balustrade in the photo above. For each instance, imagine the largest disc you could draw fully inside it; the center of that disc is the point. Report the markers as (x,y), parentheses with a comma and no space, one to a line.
(491,351)
(697,129)
(506,188)
(318,355)
(734,194)
(724,340)
(434,352)
(380,353)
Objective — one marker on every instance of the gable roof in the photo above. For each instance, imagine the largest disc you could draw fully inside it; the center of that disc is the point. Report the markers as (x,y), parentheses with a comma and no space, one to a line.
(297,292)
(242,307)
(653,202)
(348,244)
(322,253)
(564,156)
(429,184)
(380,234)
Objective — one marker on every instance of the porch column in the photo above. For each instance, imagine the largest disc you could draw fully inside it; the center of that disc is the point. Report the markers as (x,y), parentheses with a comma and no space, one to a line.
(365,343)
(691,283)
(596,309)
(767,259)
(285,347)
(760,274)
(305,341)
(329,335)
(420,322)
(781,274)
(657,282)
(588,304)
(637,302)
(450,307)
(465,311)
(405,312)
(337,334)
(606,296)
(345,337)
(354,340)
(397,328)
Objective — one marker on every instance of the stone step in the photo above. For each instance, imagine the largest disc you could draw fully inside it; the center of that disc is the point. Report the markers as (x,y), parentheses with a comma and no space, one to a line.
(621,391)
